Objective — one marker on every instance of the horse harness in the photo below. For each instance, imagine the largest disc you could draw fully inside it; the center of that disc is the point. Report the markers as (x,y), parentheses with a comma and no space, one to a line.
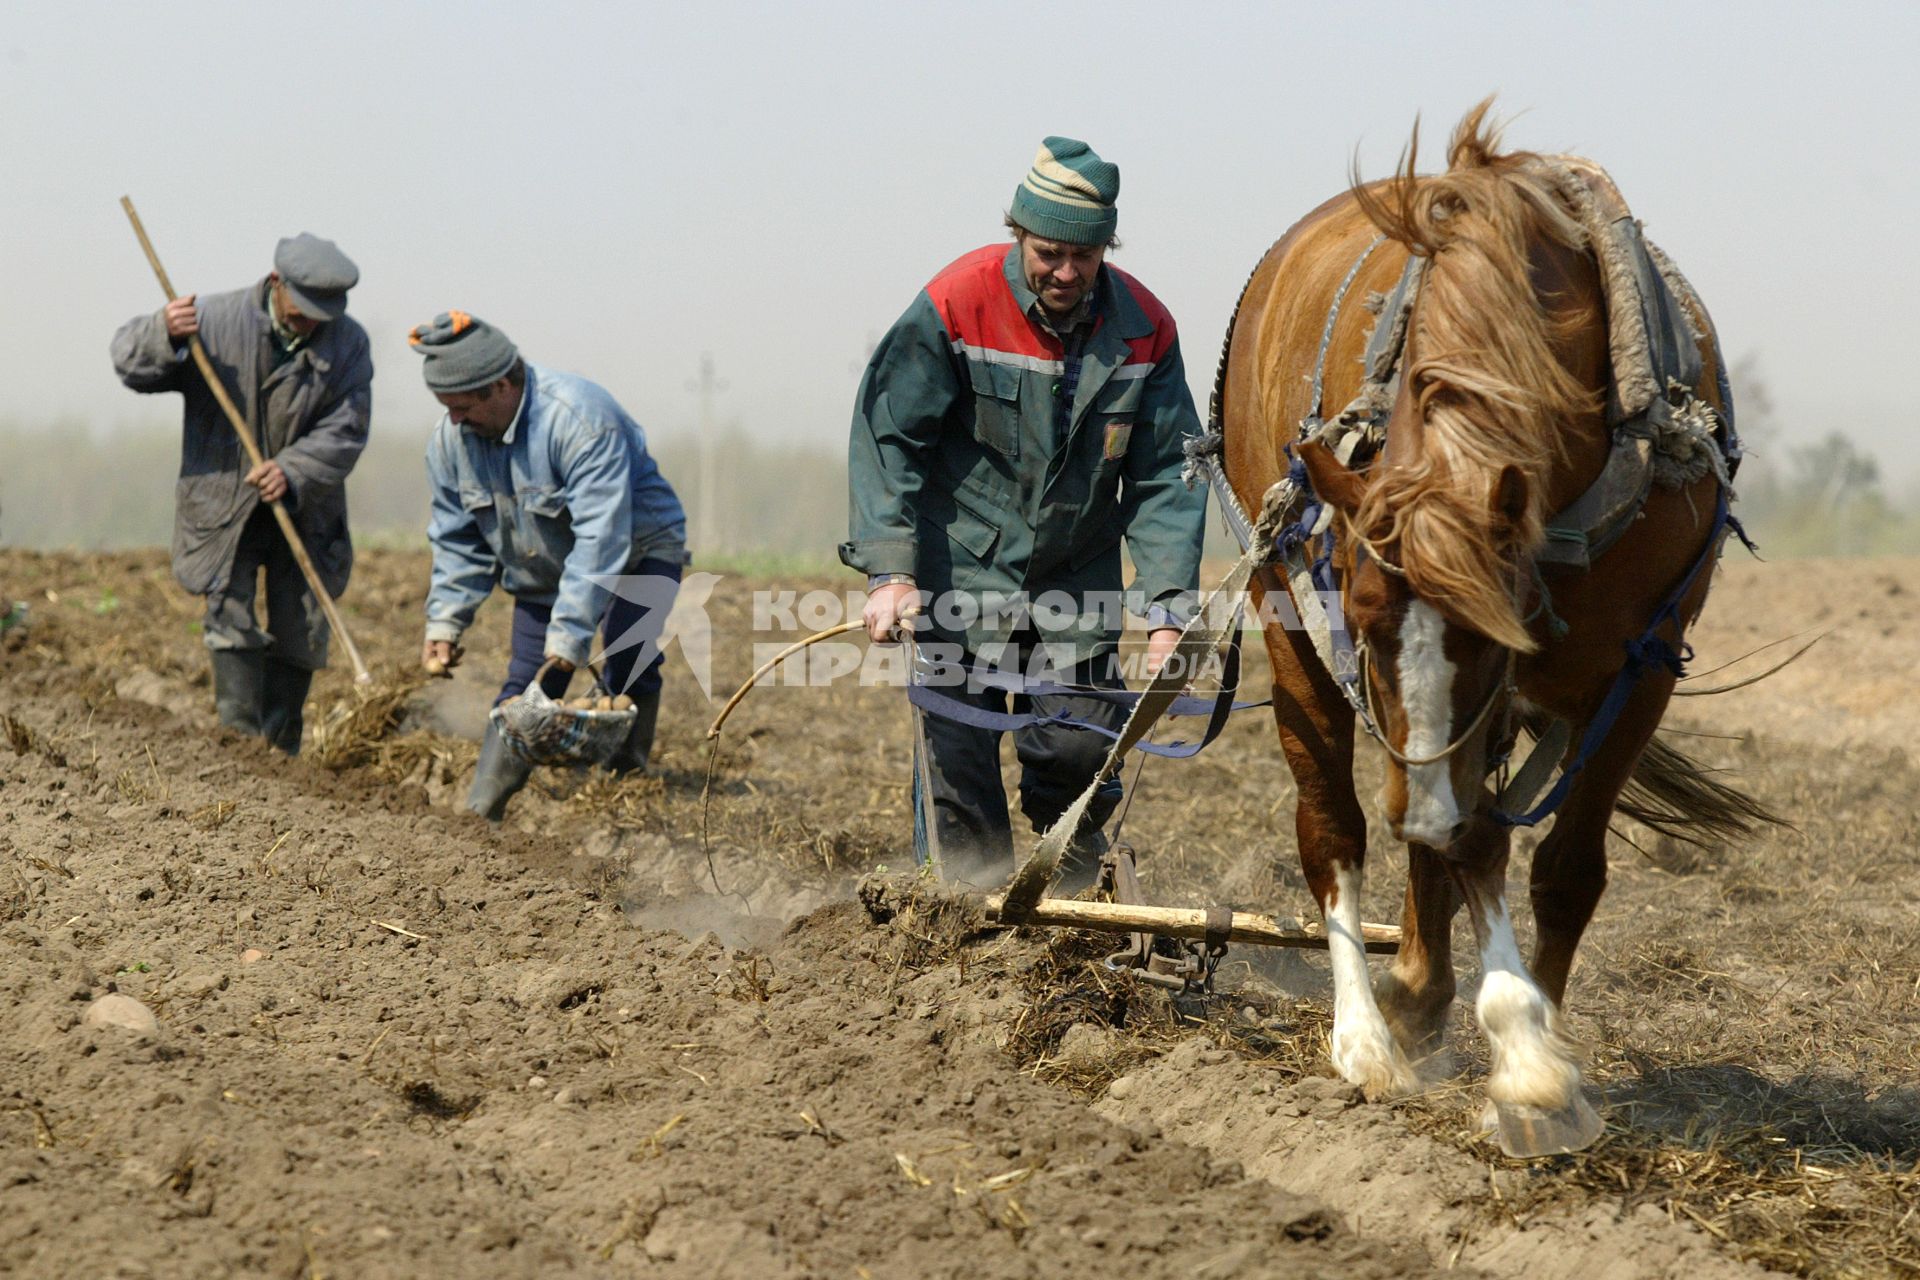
(1662,433)
(1668,439)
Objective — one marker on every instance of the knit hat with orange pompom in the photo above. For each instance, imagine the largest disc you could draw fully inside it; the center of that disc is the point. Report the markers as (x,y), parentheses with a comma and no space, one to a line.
(463,353)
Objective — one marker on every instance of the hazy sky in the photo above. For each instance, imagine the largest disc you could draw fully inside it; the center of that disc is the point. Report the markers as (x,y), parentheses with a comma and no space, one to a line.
(622,188)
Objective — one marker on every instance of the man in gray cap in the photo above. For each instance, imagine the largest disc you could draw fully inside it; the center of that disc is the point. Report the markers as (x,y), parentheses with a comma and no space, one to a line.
(300,372)
(1024,416)
(542,484)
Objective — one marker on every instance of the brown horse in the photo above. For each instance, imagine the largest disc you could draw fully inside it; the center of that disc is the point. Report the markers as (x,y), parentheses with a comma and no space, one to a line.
(1497,422)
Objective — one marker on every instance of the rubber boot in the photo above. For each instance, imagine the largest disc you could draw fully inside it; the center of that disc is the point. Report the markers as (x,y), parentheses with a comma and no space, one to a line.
(499,775)
(283,704)
(631,755)
(239,680)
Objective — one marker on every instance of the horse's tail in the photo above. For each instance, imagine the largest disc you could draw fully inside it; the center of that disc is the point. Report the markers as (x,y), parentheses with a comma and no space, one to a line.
(1678,796)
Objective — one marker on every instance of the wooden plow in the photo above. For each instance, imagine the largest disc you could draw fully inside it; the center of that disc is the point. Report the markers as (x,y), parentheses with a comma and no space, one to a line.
(1173,947)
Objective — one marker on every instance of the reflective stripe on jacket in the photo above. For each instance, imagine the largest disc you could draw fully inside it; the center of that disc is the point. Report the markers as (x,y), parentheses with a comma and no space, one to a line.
(957,475)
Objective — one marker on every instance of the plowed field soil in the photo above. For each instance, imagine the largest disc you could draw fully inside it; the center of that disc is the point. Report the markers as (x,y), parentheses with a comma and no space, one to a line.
(391,1040)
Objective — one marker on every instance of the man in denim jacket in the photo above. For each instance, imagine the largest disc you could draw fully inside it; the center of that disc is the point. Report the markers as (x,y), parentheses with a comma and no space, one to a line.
(542,484)
(299,370)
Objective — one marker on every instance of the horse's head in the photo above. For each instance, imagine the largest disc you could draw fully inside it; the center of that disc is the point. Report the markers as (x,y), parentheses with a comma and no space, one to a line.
(1439,678)
(1504,368)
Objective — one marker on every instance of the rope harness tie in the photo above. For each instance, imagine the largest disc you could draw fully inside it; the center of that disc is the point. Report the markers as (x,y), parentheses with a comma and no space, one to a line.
(1505,688)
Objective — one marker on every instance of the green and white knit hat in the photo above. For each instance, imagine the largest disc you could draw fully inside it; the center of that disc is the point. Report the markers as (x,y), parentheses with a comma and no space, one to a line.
(1068,195)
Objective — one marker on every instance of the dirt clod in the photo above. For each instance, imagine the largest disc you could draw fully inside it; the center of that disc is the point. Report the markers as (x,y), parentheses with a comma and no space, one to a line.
(116,1010)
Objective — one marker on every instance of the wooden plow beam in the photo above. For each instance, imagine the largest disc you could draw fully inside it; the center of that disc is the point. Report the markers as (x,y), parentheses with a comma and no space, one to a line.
(1186,922)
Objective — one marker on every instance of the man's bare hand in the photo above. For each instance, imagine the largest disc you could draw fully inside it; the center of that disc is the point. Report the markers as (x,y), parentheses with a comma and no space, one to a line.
(887,611)
(183,319)
(440,657)
(270,480)
(1160,644)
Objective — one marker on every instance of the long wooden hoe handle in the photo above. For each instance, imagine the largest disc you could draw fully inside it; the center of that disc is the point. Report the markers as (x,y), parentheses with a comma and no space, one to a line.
(360,673)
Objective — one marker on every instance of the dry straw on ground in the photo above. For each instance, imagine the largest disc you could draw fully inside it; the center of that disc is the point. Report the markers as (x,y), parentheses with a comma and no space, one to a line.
(1754,1010)
(355,730)
(1807,1176)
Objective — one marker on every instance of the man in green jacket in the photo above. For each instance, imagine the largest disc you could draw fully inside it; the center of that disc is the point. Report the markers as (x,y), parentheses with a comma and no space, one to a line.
(1024,416)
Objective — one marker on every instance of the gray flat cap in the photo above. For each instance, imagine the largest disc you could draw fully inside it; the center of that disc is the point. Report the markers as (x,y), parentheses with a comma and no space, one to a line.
(317,275)
(463,353)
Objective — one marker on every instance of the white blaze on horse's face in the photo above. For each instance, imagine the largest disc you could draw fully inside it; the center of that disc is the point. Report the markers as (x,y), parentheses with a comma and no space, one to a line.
(1433,815)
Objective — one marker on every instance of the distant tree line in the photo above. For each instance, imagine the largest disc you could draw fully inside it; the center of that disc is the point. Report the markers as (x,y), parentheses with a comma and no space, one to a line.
(65,487)
(784,505)
(1827,498)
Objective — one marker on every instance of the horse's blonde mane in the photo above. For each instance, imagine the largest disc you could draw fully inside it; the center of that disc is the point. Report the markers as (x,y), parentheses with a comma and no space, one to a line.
(1490,390)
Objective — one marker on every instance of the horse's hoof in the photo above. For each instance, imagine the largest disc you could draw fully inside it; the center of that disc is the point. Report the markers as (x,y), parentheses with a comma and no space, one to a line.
(1527,1132)
(1377,1066)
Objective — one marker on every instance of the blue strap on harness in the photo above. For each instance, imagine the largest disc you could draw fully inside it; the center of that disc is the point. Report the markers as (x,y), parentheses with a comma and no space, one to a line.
(1296,532)
(1299,534)
(1346,665)
(1216,709)
(1645,652)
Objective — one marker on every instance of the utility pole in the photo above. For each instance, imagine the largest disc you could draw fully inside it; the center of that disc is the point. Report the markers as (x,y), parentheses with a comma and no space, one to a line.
(707,528)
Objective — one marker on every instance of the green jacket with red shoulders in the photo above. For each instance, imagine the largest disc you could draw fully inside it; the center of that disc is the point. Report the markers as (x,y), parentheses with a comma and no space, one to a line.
(969,469)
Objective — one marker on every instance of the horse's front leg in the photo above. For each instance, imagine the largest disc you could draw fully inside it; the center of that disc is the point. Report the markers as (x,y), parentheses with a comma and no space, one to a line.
(1570,866)
(1316,733)
(1416,994)
(1534,1087)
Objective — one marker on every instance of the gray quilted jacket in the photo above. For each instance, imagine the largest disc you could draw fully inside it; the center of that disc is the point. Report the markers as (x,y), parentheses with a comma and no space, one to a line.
(310,415)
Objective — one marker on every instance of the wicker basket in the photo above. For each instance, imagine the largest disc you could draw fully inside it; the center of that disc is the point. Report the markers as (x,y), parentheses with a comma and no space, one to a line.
(540,730)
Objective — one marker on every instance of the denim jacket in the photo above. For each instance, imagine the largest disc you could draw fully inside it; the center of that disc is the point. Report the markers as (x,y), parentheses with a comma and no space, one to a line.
(567,499)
